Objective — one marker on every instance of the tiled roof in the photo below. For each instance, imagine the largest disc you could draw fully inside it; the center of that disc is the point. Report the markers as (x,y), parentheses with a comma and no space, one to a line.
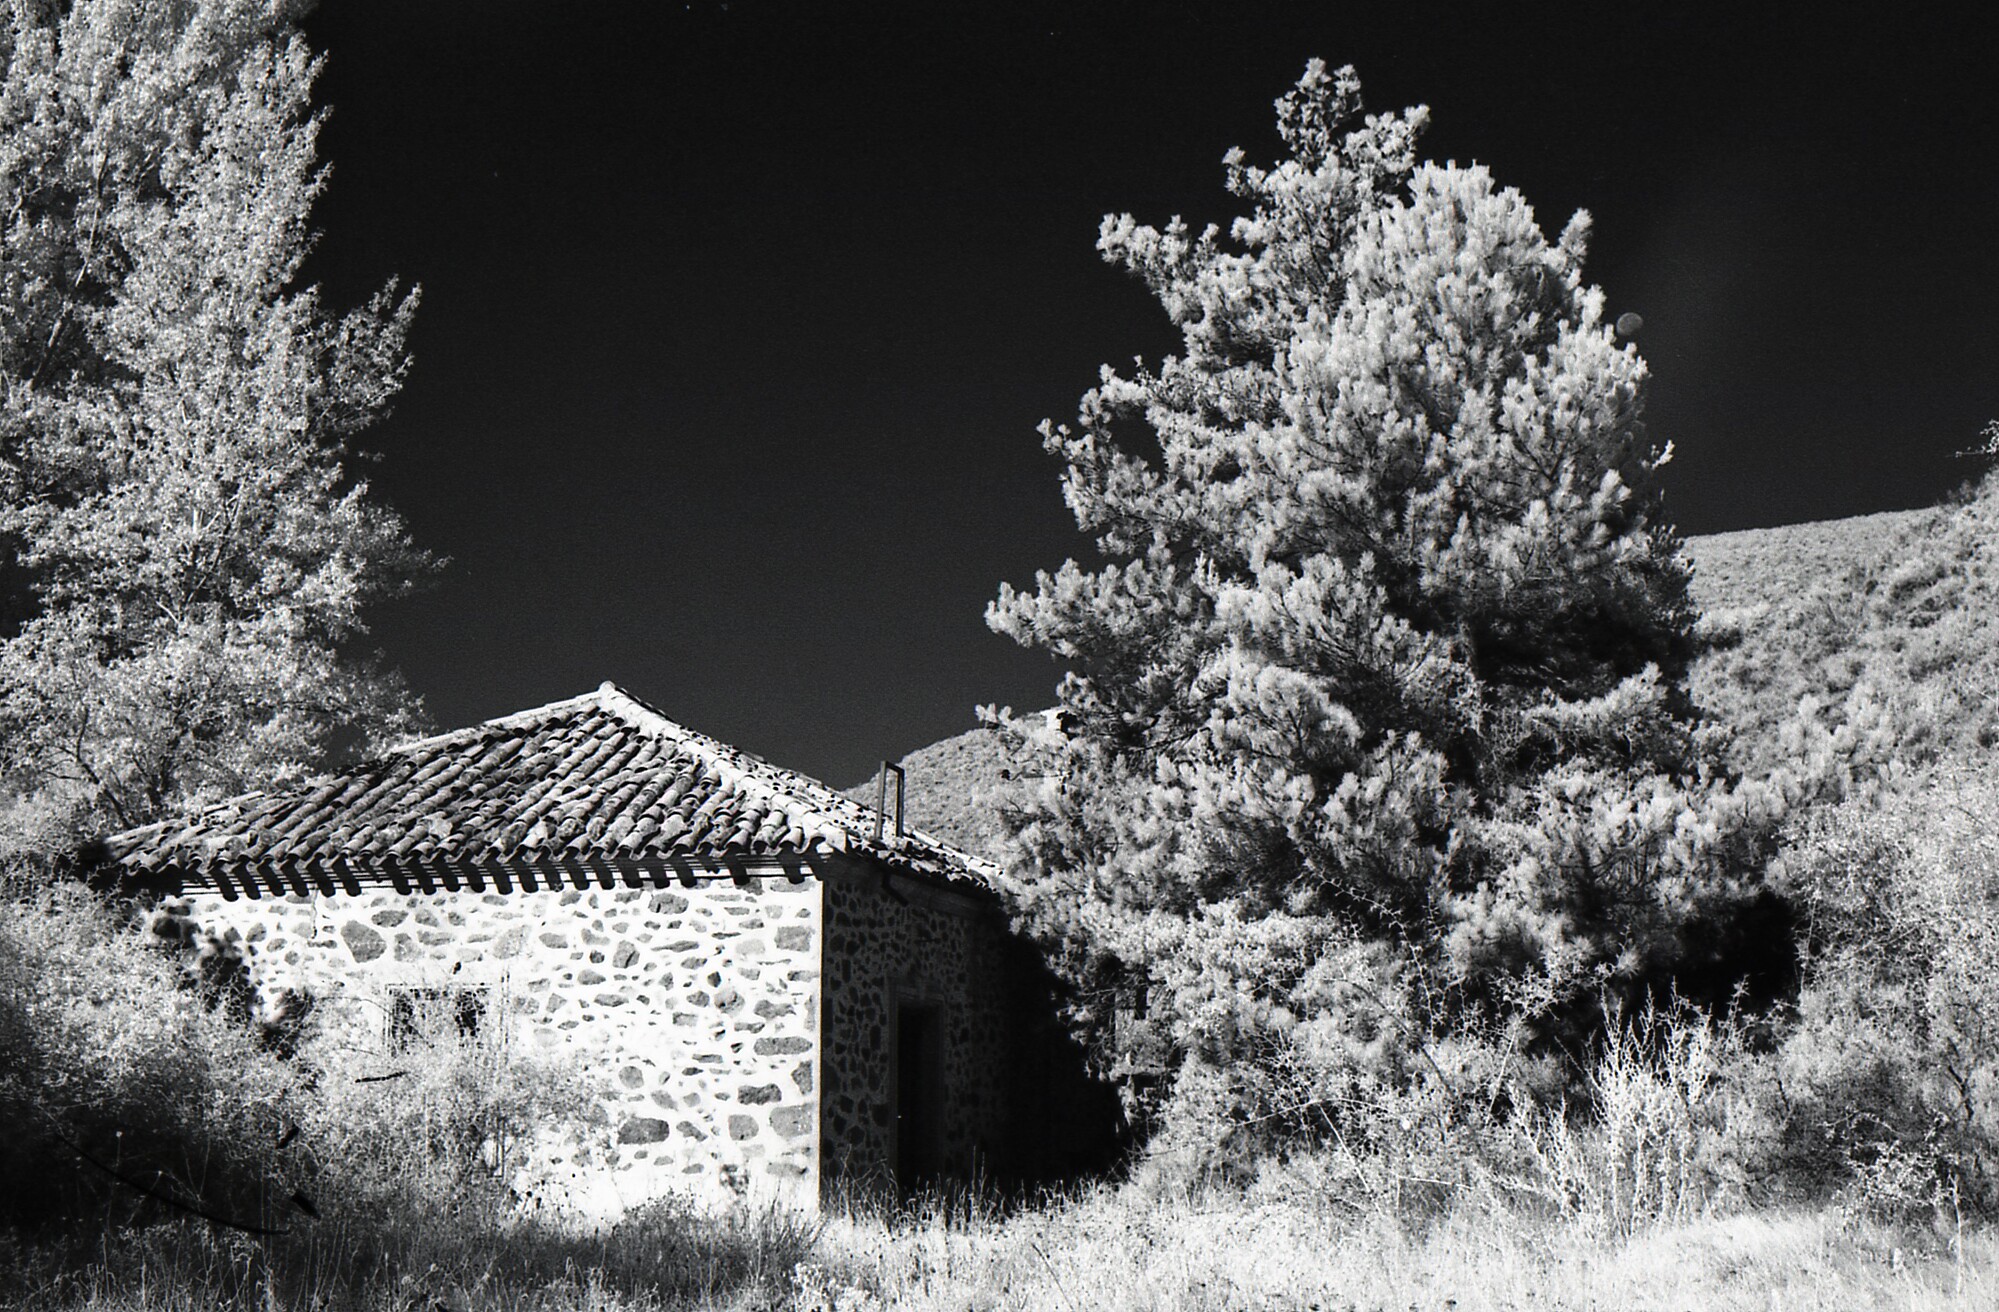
(599,787)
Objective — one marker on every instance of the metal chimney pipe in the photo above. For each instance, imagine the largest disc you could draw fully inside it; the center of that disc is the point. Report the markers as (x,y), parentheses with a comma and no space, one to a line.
(881,798)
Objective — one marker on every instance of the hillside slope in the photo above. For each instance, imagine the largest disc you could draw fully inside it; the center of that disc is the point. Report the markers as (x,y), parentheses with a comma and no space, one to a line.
(1769,566)
(948,790)
(1804,608)
(1891,622)
(1778,608)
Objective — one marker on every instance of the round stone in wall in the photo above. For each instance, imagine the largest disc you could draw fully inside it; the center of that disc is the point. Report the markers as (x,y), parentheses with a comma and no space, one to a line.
(362,941)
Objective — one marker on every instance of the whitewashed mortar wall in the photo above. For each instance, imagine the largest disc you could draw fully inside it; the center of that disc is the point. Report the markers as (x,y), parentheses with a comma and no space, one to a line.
(692,1012)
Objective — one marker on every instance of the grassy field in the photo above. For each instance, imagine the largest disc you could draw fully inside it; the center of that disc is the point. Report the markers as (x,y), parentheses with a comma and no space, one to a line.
(1115,1249)
(1120,1250)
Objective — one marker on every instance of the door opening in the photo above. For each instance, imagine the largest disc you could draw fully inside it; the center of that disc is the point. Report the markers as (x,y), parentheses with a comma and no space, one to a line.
(919,1052)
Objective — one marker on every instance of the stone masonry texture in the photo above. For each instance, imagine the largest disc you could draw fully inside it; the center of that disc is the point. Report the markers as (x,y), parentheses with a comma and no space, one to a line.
(760,986)
(739,1037)
(690,1013)
(890,944)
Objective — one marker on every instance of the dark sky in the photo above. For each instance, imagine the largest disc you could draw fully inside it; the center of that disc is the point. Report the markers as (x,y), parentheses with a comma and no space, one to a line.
(738,318)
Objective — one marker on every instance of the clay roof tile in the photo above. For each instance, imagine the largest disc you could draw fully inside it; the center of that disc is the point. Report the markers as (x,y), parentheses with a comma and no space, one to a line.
(598,776)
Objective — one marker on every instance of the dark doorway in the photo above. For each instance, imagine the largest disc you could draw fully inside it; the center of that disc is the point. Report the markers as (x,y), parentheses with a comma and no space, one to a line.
(919,1053)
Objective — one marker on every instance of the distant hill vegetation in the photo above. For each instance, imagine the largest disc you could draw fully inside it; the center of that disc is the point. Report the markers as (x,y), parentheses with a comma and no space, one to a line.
(1904,599)
(1888,621)
(949,790)
(1775,603)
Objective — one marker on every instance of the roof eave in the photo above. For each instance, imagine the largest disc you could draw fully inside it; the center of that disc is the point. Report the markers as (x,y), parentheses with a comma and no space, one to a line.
(277,878)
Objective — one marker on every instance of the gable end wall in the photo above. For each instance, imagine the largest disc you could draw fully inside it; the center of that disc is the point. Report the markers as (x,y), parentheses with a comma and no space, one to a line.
(903,941)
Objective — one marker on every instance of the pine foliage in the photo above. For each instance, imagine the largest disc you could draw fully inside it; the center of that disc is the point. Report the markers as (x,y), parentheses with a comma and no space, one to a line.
(186,552)
(1375,717)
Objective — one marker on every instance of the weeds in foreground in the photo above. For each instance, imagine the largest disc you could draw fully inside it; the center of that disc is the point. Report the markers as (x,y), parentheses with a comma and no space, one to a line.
(1277,1245)
(664,1256)
(1654,1148)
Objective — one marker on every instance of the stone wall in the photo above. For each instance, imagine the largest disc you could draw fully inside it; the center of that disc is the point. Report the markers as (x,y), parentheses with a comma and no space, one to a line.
(894,943)
(692,1013)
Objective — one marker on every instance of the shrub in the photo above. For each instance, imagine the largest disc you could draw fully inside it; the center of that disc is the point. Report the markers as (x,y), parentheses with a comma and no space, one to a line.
(141,1080)
(441,1133)
(1651,1126)
(1661,1136)
(143,1076)
(126,1090)
(1888,1085)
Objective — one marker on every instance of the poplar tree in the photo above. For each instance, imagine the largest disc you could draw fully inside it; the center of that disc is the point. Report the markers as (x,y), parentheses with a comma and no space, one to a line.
(1374,721)
(186,550)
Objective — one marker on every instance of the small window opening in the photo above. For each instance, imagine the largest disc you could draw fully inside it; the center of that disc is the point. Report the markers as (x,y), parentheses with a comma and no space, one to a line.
(422,1019)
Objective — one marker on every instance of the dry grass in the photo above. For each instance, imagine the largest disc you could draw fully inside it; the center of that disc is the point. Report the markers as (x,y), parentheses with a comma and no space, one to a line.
(1774,566)
(657,1261)
(1125,1252)
(1274,1248)
(1884,620)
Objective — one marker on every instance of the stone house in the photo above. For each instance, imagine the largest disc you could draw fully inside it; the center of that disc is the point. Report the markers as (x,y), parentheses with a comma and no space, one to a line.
(768,987)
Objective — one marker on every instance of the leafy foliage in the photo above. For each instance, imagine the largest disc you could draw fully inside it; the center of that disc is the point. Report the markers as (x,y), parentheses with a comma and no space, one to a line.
(1888,1083)
(1375,718)
(185,550)
(119,1077)
(437,1130)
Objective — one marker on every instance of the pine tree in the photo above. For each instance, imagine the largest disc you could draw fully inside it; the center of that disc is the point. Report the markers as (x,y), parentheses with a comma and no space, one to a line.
(187,551)
(1375,708)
